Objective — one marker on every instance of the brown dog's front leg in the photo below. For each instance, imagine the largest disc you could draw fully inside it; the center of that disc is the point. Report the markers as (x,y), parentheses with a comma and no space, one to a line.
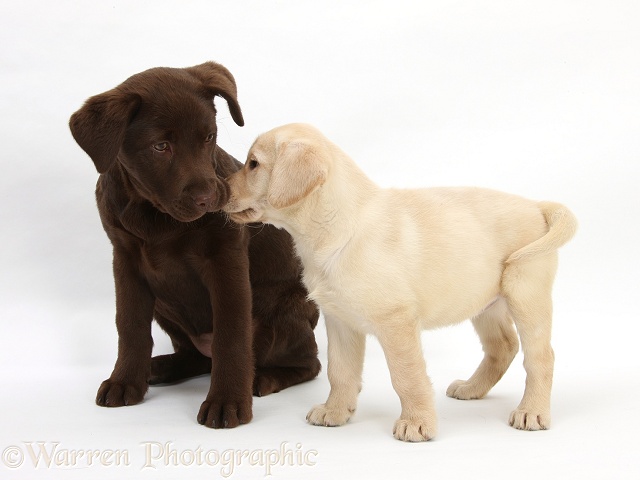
(229,402)
(134,313)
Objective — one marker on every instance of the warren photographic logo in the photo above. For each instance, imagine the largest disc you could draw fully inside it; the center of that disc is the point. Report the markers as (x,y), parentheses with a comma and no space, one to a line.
(52,455)
(153,455)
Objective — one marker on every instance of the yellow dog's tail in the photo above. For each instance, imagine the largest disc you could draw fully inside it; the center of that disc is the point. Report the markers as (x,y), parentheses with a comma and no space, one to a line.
(562,226)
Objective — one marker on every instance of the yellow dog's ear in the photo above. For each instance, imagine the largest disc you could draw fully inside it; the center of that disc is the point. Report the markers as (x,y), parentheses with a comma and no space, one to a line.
(298,170)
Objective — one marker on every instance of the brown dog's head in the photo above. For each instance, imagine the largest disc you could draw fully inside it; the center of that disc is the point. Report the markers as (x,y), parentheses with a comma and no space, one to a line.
(160,126)
(284,166)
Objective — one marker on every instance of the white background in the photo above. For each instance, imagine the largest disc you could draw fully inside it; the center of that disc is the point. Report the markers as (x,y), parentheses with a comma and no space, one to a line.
(536,98)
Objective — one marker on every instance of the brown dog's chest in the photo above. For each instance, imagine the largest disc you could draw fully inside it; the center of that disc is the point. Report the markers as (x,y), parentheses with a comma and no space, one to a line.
(174,258)
(175,270)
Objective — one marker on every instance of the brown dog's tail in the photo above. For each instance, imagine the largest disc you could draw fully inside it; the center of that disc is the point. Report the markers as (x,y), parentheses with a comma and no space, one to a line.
(562,226)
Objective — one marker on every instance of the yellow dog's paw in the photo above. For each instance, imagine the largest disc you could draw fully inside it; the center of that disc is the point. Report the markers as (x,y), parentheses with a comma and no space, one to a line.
(526,420)
(463,390)
(328,417)
(415,429)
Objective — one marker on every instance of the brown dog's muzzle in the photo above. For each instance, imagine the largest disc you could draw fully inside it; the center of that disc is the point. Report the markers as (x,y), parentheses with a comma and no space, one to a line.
(209,198)
(197,200)
(204,201)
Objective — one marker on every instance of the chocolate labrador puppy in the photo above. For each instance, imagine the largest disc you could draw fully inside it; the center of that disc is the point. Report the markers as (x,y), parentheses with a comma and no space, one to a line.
(230,297)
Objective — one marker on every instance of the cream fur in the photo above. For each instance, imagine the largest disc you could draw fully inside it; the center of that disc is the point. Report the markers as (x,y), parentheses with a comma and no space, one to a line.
(391,262)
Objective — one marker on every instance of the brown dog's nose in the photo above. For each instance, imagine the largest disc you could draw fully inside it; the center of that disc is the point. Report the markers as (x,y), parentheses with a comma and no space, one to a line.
(204,200)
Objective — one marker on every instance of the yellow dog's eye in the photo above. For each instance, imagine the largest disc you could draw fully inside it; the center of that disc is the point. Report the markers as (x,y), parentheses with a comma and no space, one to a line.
(161,147)
(253,164)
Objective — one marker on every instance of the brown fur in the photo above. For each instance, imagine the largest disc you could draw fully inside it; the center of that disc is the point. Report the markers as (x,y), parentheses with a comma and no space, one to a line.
(230,297)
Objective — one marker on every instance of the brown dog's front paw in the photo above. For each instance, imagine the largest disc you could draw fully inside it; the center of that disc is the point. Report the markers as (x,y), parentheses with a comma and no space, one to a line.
(119,394)
(215,413)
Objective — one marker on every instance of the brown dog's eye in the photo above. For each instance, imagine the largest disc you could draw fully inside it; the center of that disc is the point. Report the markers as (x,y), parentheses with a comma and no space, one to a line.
(253,164)
(161,147)
(209,137)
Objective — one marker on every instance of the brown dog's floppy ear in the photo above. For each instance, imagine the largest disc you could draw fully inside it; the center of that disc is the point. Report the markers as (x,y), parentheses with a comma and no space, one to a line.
(297,171)
(99,126)
(219,81)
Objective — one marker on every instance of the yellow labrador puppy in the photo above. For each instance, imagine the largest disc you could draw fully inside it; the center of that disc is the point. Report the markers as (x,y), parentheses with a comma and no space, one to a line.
(391,262)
